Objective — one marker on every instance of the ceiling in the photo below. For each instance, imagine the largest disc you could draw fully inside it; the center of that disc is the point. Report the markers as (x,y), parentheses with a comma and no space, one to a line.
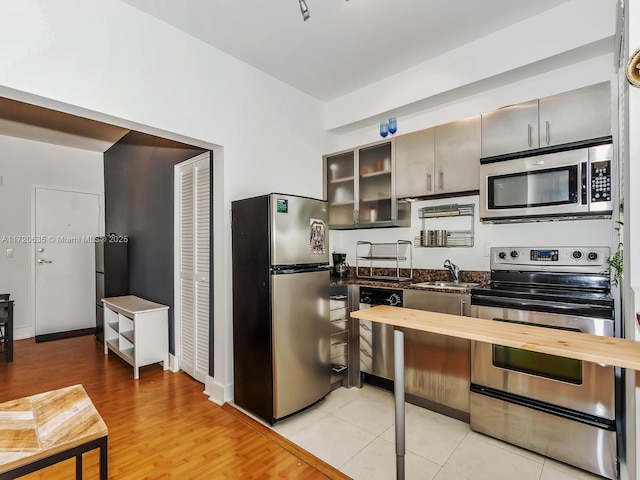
(342,47)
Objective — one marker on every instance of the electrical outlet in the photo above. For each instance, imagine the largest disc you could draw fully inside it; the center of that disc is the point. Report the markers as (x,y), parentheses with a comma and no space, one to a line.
(487,249)
(9,252)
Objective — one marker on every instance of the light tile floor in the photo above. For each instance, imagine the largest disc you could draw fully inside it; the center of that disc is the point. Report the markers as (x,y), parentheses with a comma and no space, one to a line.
(353,430)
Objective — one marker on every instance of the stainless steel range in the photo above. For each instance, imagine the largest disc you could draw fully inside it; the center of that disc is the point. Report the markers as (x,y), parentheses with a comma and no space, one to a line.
(562,408)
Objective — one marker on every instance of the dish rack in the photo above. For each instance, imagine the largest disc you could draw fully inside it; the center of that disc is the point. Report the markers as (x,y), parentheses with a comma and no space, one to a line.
(399,252)
(446,238)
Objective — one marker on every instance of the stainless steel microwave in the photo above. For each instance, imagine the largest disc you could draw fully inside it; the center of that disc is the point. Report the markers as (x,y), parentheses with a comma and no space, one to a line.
(565,184)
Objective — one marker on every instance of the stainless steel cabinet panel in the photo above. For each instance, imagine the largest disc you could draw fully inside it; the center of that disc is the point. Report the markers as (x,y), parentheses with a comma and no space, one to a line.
(438,367)
(457,156)
(510,129)
(415,164)
(575,115)
(572,116)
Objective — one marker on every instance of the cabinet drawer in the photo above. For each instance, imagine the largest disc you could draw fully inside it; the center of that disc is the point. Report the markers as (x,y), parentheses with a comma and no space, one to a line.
(338,302)
(366,332)
(339,346)
(338,314)
(339,325)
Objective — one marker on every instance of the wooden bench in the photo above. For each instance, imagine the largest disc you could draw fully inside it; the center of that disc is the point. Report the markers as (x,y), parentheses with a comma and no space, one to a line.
(47,428)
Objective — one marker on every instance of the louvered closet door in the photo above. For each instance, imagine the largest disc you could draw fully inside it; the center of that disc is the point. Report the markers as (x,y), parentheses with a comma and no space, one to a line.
(194,238)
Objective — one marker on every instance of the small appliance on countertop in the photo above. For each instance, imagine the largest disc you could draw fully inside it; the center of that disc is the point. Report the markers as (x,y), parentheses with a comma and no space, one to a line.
(340,265)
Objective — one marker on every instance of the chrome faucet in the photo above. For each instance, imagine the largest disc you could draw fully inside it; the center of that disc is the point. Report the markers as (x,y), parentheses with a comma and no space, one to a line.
(454,270)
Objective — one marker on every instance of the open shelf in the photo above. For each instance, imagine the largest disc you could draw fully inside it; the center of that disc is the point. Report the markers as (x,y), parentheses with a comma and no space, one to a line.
(398,252)
(446,238)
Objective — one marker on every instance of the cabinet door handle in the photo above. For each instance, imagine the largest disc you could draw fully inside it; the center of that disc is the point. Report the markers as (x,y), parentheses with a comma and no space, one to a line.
(355,217)
(548,133)
(441,180)
(365,327)
(529,135)
(428,182)
(462,303)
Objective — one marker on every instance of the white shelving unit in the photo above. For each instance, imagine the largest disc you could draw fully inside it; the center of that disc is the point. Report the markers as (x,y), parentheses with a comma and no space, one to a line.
(137,331)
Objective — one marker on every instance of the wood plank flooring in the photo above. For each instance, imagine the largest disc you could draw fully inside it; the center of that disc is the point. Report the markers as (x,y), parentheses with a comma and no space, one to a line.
(161,426)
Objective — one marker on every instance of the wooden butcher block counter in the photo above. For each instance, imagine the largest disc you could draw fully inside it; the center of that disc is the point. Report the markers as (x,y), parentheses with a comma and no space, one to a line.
(581,346)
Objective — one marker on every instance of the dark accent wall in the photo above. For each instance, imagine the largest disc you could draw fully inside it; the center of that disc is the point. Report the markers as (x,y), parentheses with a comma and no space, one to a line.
(138,186)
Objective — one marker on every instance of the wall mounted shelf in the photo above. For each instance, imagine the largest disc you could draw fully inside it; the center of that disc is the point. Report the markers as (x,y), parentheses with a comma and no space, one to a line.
(398,252)
(446,238)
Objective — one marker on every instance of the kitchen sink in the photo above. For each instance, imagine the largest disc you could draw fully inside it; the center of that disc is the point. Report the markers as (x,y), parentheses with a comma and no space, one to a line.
(453,285)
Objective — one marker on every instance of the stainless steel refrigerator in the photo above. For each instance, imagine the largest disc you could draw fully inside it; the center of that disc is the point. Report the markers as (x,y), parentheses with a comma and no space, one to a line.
(280,304)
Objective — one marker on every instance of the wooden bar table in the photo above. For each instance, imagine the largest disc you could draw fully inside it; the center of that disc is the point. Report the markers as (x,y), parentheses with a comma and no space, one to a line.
(47,428)
(617,352)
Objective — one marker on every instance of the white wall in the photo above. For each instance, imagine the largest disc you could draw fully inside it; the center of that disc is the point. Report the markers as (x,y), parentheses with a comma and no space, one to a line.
(631,279)
(554,37)
(564,233)
(110,62)
(24,163)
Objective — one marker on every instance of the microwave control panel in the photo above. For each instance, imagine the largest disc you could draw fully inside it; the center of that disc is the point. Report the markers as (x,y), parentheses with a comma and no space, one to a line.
(601,181)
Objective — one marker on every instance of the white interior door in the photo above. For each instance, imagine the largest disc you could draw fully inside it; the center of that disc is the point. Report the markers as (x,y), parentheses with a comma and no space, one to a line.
(193,235)
(65,224)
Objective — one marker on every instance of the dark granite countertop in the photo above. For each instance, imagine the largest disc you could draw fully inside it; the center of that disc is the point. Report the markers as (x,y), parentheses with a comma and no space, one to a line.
(419,276)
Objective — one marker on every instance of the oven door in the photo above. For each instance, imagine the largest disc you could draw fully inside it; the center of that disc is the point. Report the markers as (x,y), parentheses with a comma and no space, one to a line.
(546,185)
(573,384)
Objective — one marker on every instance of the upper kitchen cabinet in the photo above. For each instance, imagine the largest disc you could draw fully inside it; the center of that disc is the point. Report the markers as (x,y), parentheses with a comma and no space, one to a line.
(340,187)
(457,155)
(439,161)
(415,163)
(568,117)
(360,188)
(510,129)
(577,115)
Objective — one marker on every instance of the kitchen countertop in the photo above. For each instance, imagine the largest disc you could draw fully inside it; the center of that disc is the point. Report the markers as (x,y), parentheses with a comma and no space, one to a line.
(581,346)
(410,284)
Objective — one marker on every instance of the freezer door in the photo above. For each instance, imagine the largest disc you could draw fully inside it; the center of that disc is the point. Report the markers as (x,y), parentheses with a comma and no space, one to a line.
(301,329)
(299,230)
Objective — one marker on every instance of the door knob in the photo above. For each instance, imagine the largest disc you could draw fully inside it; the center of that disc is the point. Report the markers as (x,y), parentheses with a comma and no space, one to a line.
(42,260)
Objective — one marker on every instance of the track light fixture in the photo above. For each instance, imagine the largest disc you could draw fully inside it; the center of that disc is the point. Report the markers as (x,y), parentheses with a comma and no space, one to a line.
(304,10)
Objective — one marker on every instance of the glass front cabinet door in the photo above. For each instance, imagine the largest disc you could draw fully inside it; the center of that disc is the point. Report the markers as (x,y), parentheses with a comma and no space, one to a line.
(360,187)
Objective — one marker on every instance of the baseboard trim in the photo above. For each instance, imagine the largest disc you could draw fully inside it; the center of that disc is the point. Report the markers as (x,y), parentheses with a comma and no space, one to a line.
(47,337)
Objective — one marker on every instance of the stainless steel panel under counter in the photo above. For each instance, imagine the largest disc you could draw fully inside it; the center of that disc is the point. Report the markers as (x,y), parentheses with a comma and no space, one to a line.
(437,367)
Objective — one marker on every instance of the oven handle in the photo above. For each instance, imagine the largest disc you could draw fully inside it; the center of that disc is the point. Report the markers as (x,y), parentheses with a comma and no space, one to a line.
(582,310)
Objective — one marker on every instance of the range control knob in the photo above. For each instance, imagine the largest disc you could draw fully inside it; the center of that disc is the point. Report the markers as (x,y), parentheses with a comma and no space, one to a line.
(365,299)
(502,255)
(394,299)
(577,254)
(592,256)
(514,254)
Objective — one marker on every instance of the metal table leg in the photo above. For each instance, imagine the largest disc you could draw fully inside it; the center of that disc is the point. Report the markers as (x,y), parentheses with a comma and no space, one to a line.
(398,393)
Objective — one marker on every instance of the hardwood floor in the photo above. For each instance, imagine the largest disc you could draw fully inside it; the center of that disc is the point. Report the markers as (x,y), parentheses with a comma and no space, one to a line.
(161,426)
